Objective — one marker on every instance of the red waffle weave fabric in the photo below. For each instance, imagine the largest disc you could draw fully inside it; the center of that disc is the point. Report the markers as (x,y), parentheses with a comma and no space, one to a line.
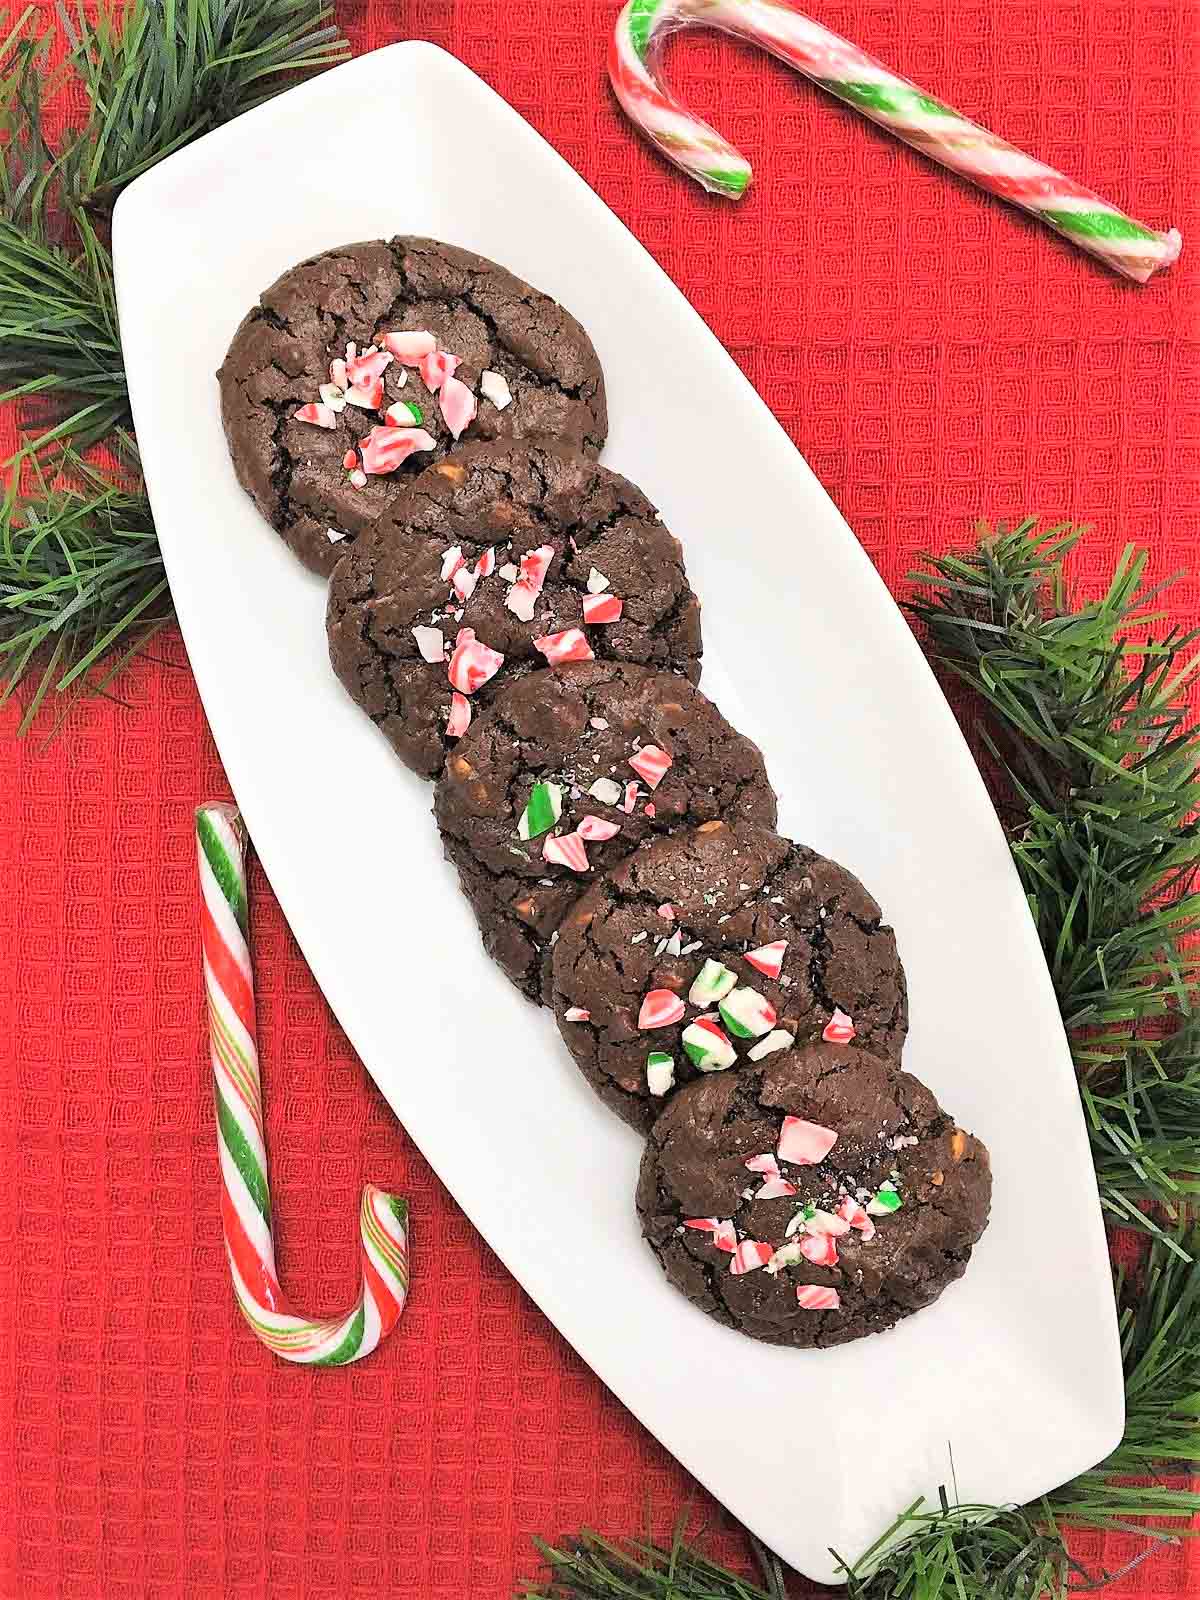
(937,358)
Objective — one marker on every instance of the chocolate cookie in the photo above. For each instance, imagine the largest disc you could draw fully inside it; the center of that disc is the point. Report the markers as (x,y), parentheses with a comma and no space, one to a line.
(505,559)
(771,944)
(440,344)
(564,775)
(812,1199)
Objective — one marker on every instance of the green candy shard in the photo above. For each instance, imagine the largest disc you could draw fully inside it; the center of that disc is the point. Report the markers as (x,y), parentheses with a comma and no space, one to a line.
(542,811)
(414,411)
(696,1053)
(641,20)
(886,1201)
(713,982)
(738,1029)
(1099,225)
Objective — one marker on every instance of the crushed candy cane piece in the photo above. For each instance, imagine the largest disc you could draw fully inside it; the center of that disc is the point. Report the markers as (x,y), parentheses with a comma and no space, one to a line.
(768,958)
(431,642)
(332,396)
(384,449)
(596,582)
(320,416)
(335,535)
(472,664)
(750,1255)
(598,722)
(494,387)
(651,764)
(788,1255)
(722,1231)
(660,1072)
(820,1249)
(707,1047)
(606,791)
(542,810)
(630,800)
(601,608)
(885,1201)
(712,983)
(568,645)
(566,850)
(747,1013)
(337,373)
(777,1039)
(839,1029)
(486,564)
(350,459)
(458,405)
(667,910)
(367,396)
(508,572)
(459,719)
(463,582)
(806,1144)
(521,601)
(409,346)
(765,1163)
(597,828)
(436,366)
(404,414)
(577,1014)
(775,1189)
(451,561)
(650,810)
(853,1213)
(660,1008)
(358,478)
(814,1297)
(826,1222)
(673,943)
(363,370)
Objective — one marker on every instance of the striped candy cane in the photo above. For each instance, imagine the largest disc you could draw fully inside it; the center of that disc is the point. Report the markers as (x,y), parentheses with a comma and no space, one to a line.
(845,71)
(245,1196)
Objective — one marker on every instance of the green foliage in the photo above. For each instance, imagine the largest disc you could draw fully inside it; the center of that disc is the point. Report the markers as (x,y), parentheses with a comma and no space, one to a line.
(1092,731)
(80,574)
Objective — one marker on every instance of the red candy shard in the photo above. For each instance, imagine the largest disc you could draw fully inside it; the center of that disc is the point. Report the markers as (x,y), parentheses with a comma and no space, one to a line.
(601,608)
(384,449)
(362,371)
(463,582)
(813,1297)
(721,1230)
(651,764)
(839,1029)
(471,663)
(566,850)
(768,958)
(535,564)
(764,1163)
(667,910)
(458,404)
(577,1014)
(408,347)
(321,416)
(804,1143)
(368,396)
(850,1211)
(436,367)
(569,645)
(774,1189)
(750,1255)
(597,828)
(660,1008)
(459,719)
(486,564)
(350,460)
(630,800)
(337,373)
(819,1248)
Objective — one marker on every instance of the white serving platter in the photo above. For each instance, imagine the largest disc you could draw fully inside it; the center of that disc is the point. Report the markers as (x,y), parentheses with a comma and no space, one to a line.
(1017,1368)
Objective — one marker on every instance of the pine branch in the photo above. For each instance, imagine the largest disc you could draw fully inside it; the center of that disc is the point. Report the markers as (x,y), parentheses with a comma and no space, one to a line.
(1095,737)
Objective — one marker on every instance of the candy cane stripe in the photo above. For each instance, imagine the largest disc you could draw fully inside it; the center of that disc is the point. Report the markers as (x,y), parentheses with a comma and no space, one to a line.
(845,71)
(245,1189)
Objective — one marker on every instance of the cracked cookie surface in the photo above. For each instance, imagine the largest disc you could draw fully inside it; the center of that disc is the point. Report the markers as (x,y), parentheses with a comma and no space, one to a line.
(886,1264)
(735,888)
(575,728)
(476,310)
(509,499)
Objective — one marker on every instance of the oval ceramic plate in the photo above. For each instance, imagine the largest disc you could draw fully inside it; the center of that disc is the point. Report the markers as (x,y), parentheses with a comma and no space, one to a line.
(1016,1369)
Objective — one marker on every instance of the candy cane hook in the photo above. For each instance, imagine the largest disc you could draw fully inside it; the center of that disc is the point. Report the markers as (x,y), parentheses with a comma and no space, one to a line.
(844,70)
(245,1196)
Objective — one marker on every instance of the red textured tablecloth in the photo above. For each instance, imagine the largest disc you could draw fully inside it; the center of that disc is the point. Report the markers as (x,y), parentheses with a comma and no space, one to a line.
(937,358)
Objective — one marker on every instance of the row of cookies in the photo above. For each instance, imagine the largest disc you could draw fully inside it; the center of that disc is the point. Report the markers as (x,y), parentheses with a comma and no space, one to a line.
(517,621)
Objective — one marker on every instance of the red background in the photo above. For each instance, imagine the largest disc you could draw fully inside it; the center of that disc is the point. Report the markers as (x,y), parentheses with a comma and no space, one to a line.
(937,358)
